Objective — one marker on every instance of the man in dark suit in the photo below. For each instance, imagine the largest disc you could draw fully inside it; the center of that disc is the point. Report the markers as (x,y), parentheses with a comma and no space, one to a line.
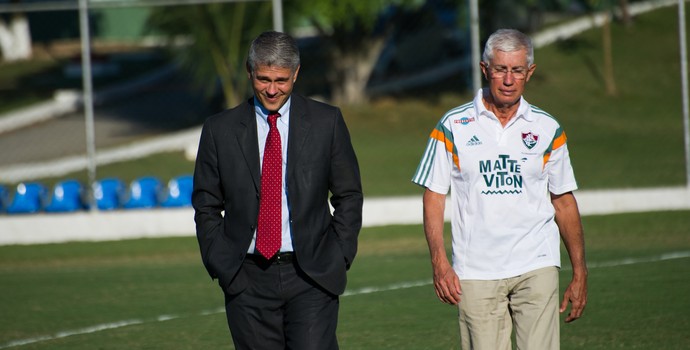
(263,175)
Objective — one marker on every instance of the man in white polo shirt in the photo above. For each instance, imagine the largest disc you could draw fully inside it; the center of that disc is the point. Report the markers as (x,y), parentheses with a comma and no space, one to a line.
(506,165)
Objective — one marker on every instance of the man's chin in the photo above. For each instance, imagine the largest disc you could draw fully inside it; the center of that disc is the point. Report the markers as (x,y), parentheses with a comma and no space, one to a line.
(272,105)
(507,100)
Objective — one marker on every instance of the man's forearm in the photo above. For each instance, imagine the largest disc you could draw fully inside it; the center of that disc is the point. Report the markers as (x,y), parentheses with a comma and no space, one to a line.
(434,206)
(570,227)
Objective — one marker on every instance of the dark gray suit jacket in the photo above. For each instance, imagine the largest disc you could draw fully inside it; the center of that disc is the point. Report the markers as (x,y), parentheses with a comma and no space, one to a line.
(227,178)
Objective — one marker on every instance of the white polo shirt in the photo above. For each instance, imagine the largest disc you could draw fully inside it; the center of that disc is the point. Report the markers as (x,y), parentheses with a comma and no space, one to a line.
(499,178)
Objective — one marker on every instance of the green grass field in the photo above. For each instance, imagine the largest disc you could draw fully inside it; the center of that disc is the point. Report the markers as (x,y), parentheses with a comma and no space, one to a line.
(155,294)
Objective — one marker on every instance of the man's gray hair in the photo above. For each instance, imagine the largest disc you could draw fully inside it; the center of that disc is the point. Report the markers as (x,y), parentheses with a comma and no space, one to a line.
(508,40)
(273,49)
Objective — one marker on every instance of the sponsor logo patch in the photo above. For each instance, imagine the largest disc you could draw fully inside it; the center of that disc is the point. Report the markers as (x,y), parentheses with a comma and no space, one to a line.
(464,120)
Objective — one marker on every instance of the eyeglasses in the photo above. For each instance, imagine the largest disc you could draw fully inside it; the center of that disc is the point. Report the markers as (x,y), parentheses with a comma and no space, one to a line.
(501,71)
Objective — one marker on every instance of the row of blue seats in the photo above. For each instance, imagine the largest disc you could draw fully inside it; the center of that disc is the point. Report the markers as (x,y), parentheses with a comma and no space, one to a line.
(109,194)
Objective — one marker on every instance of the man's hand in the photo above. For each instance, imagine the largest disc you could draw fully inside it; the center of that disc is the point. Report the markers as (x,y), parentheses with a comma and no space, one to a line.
(446,283)
(570,227)
(576,295)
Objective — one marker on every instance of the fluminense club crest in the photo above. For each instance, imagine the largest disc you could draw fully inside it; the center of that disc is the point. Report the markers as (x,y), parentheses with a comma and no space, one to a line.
(529,139)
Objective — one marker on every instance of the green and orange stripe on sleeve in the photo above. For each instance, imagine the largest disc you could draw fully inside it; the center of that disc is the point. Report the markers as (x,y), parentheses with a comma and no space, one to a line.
(559,139)
(445,136)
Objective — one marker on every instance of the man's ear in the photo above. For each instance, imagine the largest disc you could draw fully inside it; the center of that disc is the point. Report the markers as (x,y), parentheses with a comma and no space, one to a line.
(530,71)
(484,68)
(294,76)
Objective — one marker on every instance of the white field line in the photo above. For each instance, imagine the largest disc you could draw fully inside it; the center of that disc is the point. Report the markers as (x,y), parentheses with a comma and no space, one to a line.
(631,261)
(64,334)
(355,292)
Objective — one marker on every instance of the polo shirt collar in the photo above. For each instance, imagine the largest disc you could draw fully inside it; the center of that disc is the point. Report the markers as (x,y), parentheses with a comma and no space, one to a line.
(522,112)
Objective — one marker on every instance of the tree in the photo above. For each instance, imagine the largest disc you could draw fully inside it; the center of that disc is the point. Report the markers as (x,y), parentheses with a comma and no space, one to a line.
(218,36)
(607,47)
(353,33)
(625,12)
(602,10)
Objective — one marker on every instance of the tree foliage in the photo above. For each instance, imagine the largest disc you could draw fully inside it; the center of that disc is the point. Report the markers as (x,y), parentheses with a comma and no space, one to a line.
(353,34)
(215,39)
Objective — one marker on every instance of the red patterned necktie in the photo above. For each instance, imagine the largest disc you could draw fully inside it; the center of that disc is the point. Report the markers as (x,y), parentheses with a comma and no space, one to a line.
(268,235)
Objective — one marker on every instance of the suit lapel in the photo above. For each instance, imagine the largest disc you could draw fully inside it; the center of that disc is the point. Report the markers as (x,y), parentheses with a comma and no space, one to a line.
(299,129)
(249,142)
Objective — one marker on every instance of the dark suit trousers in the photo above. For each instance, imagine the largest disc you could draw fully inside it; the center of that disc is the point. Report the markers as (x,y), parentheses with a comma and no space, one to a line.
(281,308)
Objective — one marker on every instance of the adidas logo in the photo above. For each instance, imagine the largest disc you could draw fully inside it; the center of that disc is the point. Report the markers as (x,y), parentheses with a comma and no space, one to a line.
(474,141)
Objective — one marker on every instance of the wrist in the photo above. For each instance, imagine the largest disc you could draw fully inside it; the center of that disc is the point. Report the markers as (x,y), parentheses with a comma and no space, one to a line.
(580,272)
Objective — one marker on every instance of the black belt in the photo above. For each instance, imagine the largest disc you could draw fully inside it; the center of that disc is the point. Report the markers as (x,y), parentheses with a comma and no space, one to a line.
(279,259)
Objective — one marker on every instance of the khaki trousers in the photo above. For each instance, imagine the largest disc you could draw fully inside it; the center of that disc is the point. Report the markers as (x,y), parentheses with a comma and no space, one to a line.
(489,310)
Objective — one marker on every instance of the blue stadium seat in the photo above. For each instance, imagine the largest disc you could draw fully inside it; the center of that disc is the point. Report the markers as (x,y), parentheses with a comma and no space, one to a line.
(4,198)
(28,198)
(67,196)
(107,193)
(143,193)
(178,193)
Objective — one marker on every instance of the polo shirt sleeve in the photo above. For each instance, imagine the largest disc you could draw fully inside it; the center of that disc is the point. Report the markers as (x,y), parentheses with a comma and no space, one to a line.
(434,170)
(558,166)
